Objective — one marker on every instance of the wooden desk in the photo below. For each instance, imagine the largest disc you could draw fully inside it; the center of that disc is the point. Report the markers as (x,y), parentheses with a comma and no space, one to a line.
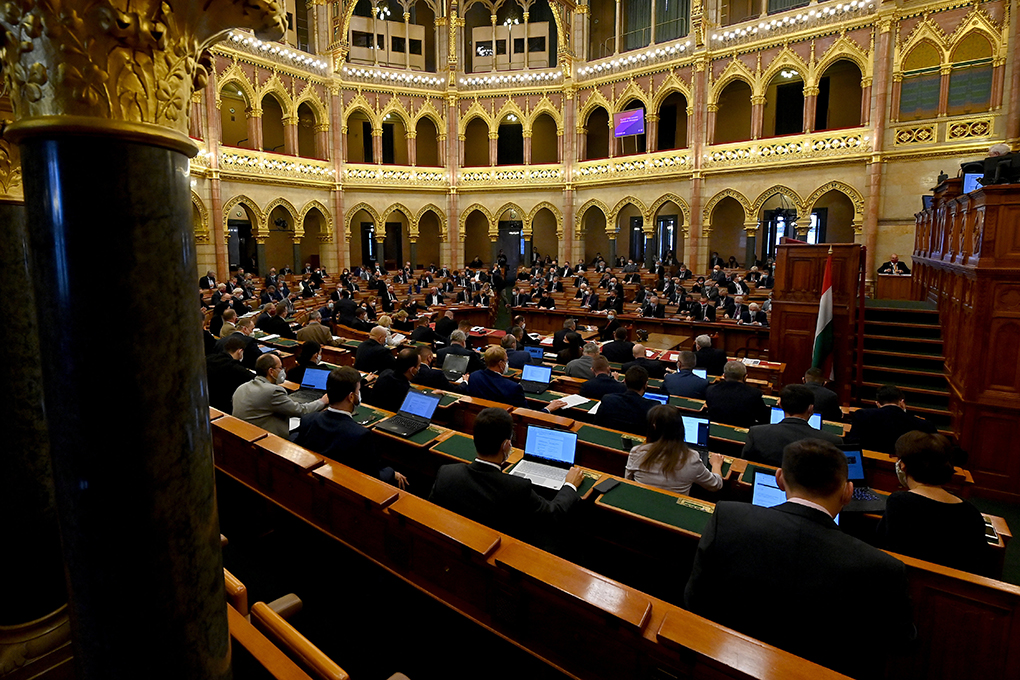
(893,287)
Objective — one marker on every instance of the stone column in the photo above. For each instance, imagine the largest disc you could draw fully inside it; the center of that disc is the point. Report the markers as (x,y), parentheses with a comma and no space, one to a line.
(582,143)
(412,148)
(414,252)
(493,247)
(944,71)
(322,142)
(290,136)
(649,232)
(377,146)
(619,27)
(260,254)
(613,141)
(254,121)
(880,91)
(757,116)
(527,147)
(751,249)
(493,148)
(213,145)
(407,40)
(712,110)
(527,60)
(298,261)
(702,135)
(380,245)
(493,18)
(612,239)
(1012,130)
(866,101)
(652,133)
(810,108)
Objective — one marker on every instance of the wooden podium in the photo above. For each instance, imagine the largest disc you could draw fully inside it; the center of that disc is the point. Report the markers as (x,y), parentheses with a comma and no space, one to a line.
(800,270)
(967,260)
(894,287)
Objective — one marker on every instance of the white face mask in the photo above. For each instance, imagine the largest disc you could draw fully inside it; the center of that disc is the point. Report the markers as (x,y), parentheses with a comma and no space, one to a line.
(900,475)
(281,376)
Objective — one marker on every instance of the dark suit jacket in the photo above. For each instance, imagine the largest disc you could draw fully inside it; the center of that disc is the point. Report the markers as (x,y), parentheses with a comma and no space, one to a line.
(655,368)
(877,429)
(657,312)
(503,502)
(684,383)
(560,339)
(275,324)
(446,326)
(844,604)
(711,359)
(474,361)
(389,390)
(251,350)
(618,351)
(426,334)
(607,331)
(225,375)
(724,306)
(337,436)
(627,411)
(436,379)
(765,443)
(600,386)
(826,402)
(518,358)
(487,384)
(373,357)
(735,403)
(702,314)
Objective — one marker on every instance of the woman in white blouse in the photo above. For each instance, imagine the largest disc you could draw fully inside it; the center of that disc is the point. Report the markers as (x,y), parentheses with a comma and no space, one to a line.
(666,462)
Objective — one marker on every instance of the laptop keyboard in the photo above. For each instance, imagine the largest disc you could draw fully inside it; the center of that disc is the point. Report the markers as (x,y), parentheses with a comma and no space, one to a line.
(539,472)
(306,394)
(863,494)
(403,423)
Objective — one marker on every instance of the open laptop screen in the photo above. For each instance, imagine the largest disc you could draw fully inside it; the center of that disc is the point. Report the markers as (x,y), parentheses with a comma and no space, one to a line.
(457,363)
(536,352)
(541,374)
(814,421)
(555,446)
(315,378)
(420,404)
(767,493)
(855,465)
(661,398)
(696,431)
(701,373)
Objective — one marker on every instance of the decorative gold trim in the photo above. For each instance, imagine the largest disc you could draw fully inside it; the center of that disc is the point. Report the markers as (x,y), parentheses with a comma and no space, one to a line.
(87,126)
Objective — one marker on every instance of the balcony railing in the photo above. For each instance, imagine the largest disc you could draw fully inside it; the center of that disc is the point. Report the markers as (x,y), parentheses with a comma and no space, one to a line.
(659,164)
(249,163)
(511,175)
(361,174)
(795,148)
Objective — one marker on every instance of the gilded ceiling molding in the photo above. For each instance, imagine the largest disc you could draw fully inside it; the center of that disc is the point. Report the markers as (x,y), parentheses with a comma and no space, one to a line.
(123,72)
(202,227)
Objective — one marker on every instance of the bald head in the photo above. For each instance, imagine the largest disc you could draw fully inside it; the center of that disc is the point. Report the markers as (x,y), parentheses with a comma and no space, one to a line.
(639,351)
(378,333)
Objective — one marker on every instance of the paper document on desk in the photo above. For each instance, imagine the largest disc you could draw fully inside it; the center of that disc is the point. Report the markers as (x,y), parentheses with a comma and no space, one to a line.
(267,338)
(294,423)
(572,400)
(595,409)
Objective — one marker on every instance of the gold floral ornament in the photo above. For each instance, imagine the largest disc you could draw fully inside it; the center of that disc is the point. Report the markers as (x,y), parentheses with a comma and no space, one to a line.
(133,61)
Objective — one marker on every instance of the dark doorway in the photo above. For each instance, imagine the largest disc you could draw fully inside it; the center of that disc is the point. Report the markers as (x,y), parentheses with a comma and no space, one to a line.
(388,151)
(510,145)
(368,244)
(822,105)
(637,239)
(241,248)
(366,142)
(666,226)
(394,253)
(511,242)
(778,223)
(790,108)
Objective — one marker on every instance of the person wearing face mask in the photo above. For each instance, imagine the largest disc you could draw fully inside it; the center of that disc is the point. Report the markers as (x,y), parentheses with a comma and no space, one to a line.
(481,492)
(334,434)
(264,402)
(314,330)
(393,383)
(309,356)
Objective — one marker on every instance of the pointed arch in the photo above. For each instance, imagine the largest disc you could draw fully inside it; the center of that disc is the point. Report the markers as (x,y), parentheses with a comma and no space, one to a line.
(593,102)
(529,220)
(247,202)
(671,85)
(291,210)
(233,75)
(509,205)
(474,111)
(328,225)
(311,97)
(509,106)
(472,208)
(354,210)
(428,110)
(843,49)
(395,107)
(856,198)
(774,190)
(685,209)
(579,216)
(274,87)
(359,103)
(927,31)
(201,230)
(443,225)
(735,70)
(544,106)
(400,208)
(706,214)
(629,94)
(786,58)
(621,204)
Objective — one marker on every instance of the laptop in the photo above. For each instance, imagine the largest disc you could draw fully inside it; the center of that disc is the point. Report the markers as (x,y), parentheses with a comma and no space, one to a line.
(696,436)
(536,379)
(701,373)
(266,348)
(313,386)
(548,456)
(661,398)
(414,415)
(766,492)
(537,353)
(864,499)
(454,366)
(778,415)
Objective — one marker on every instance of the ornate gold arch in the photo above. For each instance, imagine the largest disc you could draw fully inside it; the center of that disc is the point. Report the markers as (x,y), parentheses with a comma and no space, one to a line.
(311,97)
(274,87)
(786,58)
(706,214)
(354,211)
(685,210)
(595,100)
(583,210)
(856,198)
(631,92)
(395,106)
(202,230)
(289,207)
(544,107)
(470,209)
(774,190)
(234,74)
(611,226)
(544,205)
(359,103)
(476,110)
(241,199)
(843,49)
(444,235)
(403,210)
(326,231)
(670,85)
(735,70)
(509,205)
(428,110)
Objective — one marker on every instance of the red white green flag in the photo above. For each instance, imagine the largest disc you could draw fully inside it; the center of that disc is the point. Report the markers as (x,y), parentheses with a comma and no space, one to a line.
(822,355)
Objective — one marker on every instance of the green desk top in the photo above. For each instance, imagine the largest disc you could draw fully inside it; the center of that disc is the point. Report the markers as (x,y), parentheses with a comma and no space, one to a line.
(548,396)
(685,403)
(722,431)
(446,399)
(832,428)
(654,384)
(748,476)
(284,342)
(367,416)
(351,344)
(425,436)
(459,445)
(607,438)
(657,506)
(770,400)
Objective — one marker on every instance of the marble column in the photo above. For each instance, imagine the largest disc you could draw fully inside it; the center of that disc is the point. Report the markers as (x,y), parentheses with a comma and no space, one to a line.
(701,121)
(810,108)
(322,143)
(944,72)
(296,254)
(751,249)
(649,248)
(612,247)
(1012,131)
(410,139)
(290,136)
(377,146)
(527,148)
(880,92)
(757,116)
(254,121)
(493,148)
(213,143)
(652,138)
(493,248)
(414,253)
(618,27)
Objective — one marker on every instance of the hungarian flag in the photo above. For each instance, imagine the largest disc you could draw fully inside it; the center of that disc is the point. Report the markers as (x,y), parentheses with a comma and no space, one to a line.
(822,356)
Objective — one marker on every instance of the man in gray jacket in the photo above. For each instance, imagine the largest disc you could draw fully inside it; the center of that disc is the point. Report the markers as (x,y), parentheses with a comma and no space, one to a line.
(265,403)
(765,443)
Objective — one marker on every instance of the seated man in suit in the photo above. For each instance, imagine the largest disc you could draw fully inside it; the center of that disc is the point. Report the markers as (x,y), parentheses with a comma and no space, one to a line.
(734,402)
(603,383)
(229,324)
(560,336)
(519,299)
(372,355)
(826,401)
(433,377)
(753,316)
(684,383)
(314,330)
(277,322)
(334,434)
(490,384)
(620,350)
(627,411)
(458,345)
(877,429)
(765,443)
(393,383)
(262,401)
(836,600)
(446,325)
(701,310)
(434,297)
(245,327)
(581,367)
(653,308)
(226,373)
(423,332)
(711,359)
(481,492)
(893,266)
(654,367)
(517,357)
(724,304)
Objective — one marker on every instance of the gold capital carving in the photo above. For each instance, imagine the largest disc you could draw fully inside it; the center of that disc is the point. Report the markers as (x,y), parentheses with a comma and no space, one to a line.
(118,66)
